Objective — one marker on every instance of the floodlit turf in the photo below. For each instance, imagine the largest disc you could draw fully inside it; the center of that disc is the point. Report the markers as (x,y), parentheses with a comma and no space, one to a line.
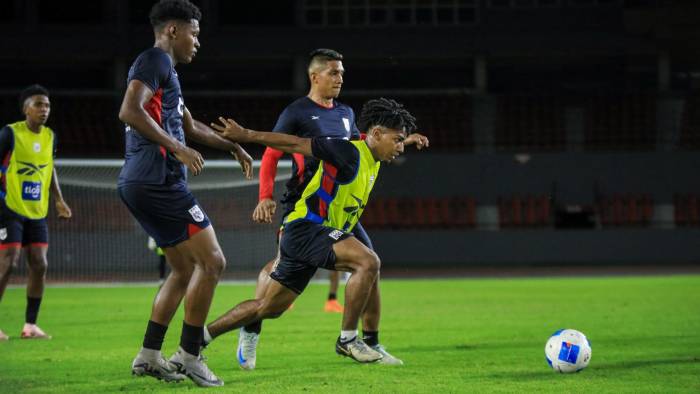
(481,335)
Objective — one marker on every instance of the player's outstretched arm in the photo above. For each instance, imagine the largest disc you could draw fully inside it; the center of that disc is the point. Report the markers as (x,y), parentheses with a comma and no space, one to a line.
(63,210)
(132,113)
(203,134)
(229,129)
(419,140)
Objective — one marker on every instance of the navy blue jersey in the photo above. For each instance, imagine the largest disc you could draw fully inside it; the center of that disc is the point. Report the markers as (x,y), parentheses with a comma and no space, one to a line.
(305,118)
(145,161)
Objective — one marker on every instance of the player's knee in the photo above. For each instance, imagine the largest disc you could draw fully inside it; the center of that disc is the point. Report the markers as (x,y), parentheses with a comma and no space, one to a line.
(371,262)
(215,264)
(37,265)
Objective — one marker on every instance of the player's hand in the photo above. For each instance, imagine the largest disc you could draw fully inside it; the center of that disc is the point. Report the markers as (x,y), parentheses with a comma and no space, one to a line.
(63,210)
(264,211)
(191,158)
(230,130)
(419,140)
(245,161)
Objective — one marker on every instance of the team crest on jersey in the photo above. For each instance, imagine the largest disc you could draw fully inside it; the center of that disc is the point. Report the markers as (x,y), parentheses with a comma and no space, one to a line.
(37,147)
(346,122)
(3,233)
(196,213)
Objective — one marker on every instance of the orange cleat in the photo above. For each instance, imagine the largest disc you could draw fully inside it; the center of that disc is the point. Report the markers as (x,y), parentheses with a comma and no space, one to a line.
(32,331)
(290,307)
(3,336)
(333,306)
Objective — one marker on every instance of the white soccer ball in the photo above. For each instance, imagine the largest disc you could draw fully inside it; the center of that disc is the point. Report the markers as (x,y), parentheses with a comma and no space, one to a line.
(568,351)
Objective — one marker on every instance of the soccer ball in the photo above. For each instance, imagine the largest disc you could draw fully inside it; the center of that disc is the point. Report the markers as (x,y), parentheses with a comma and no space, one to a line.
(568,351)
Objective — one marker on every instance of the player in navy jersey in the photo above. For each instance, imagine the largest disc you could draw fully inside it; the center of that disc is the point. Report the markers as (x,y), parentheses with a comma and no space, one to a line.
(318,114)
(153,186)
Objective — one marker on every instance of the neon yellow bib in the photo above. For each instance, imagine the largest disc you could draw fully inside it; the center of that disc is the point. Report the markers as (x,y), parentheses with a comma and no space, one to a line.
(328,202)
(28,174)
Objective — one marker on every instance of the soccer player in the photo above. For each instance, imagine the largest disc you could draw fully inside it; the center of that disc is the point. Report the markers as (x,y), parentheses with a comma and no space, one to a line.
(152,184)
(318,114)
(318,232)
(28,176)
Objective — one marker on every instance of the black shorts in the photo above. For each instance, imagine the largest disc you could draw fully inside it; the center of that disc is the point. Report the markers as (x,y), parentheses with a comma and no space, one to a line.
(17,231)
(168,213)
(304,248)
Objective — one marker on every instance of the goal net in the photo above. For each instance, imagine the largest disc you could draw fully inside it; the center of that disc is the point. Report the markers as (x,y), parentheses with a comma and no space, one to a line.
(103,242)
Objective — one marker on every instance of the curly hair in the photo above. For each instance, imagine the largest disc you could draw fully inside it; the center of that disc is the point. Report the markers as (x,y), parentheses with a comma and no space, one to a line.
(167,10)
(30,91)
(386,113)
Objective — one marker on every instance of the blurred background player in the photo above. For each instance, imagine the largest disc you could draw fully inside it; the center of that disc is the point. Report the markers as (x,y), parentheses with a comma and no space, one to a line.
(318,114)
(153,186)
(162,264)
(318,233)
(27,149)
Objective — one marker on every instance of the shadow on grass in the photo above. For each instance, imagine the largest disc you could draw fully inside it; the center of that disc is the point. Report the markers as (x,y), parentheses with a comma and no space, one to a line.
(623,365)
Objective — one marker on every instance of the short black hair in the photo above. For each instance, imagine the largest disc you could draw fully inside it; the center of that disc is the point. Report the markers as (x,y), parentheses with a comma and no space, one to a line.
(30,91)
(167,10)
(323,55)
(386,113)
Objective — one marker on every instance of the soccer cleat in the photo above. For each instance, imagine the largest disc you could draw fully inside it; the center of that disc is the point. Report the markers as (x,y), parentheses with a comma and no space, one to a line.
(357,350)
(3,336)
(194,368)
(387,358)
(333,306)
(150,362)
(32,331)
(247,343)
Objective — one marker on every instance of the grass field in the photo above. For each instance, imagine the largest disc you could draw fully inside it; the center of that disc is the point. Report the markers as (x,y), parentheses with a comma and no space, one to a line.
(461,335)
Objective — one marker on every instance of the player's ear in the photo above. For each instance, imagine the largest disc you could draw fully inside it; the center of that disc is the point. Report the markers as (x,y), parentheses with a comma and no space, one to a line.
(171,28)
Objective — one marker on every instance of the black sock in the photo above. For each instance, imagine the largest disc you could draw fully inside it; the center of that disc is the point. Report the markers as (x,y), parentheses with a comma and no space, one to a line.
(154,335)
(255,327)
(32,310)
(191,339)
(332,296)
(371,338)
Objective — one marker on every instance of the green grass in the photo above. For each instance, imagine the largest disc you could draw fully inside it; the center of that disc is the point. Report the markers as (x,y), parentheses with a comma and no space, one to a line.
(481,335)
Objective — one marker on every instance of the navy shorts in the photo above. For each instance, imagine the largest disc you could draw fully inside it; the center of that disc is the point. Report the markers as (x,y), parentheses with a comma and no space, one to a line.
(168,213)
(17,230)
(304,248)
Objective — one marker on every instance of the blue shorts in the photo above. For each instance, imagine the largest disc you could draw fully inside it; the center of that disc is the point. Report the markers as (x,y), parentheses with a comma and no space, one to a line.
(168,213)
(304,248)
(17,231)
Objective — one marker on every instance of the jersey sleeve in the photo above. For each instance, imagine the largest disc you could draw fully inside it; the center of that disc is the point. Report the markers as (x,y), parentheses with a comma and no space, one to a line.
(152,68)
(354,132)
(268,171)
(341,153)
(6,144)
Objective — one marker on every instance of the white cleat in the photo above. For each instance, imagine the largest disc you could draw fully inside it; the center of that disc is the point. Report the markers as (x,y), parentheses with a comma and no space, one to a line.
(387,358)
(247,344)
(357,350)
(194,368)
(150,362)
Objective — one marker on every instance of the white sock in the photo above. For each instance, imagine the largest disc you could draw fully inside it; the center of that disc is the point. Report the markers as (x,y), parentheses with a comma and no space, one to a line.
(347,335)
(207,336)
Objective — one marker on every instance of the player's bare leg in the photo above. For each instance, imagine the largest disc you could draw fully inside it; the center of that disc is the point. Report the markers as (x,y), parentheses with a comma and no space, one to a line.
(8,260)
(370,326)
(363,263)
(36,277)
(203,250)
(332,305)
(273,304)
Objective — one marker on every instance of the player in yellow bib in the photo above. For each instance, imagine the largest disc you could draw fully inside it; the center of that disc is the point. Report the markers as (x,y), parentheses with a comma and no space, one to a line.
(27,176)
(317,234)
